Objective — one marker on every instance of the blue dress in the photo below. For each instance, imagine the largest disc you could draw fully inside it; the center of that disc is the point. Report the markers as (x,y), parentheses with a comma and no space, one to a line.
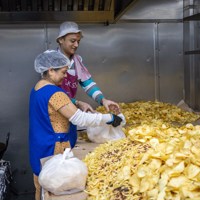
(42,137)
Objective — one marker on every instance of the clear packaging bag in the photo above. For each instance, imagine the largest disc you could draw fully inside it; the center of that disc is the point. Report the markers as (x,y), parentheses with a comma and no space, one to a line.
(105,133)
(63,174)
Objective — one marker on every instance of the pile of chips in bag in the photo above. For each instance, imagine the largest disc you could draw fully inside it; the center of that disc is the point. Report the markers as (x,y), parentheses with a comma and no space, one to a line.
(159,159)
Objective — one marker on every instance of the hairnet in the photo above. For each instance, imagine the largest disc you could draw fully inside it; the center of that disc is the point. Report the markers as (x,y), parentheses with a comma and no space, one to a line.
(50,59)
(68,27)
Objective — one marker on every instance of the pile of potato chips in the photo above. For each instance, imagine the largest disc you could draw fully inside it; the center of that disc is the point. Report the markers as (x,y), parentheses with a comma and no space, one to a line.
(157,161)
(147,111)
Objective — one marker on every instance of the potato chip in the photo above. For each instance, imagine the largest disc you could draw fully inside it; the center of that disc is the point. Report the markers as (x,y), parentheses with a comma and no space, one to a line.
(192,171)
(142,171)
(144,186)
(178,169)
(177,182)
(152,194)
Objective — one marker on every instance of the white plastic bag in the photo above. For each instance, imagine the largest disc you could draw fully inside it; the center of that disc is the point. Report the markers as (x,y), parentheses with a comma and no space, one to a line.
(105,133)
(63,174)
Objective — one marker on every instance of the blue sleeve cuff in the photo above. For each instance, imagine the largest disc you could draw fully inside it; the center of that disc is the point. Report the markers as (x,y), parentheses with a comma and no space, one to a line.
(99,100)
(73,101)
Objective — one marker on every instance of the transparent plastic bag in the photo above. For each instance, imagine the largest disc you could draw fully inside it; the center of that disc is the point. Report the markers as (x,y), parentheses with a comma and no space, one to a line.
(105,133)
(63,174)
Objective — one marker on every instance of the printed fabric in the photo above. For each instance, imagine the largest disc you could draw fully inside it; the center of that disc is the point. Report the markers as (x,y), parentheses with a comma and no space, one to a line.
(70,83)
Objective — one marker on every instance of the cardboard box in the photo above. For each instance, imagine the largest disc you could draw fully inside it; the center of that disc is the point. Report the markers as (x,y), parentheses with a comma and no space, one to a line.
(77,196)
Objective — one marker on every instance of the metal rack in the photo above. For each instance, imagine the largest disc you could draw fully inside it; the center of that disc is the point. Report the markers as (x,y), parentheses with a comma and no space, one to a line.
(191,19)
(55,5)
(191,35)
(191,10)
(18,11)
(55,11)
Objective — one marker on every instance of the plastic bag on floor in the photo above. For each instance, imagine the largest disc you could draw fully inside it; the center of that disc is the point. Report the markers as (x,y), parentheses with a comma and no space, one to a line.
(63,174)
(105,133)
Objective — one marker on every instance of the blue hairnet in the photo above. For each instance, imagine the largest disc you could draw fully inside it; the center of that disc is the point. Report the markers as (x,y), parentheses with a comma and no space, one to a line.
(50,59)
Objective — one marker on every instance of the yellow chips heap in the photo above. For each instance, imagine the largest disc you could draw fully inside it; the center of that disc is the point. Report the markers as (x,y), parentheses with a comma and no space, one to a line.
(140,111)
(154,163)
(110,168)
(157,161)
(170,169)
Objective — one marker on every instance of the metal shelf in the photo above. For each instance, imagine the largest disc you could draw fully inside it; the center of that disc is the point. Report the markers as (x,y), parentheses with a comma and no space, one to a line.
(55,17)
(192,52)
(192,17)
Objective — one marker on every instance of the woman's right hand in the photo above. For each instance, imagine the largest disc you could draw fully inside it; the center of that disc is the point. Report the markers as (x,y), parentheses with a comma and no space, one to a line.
(116,120)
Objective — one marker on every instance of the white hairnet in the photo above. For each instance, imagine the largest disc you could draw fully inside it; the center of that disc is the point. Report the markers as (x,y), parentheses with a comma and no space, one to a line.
(50,59)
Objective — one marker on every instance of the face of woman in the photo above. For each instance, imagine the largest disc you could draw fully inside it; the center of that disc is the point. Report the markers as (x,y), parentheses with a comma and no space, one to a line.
(70,43)
(57,76)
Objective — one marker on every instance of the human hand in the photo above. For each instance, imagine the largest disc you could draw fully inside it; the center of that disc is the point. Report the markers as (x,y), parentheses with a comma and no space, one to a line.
(111,106)
(116,120)
(84,106)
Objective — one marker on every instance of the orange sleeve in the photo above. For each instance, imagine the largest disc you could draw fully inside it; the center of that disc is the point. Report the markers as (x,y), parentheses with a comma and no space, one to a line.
(58,100)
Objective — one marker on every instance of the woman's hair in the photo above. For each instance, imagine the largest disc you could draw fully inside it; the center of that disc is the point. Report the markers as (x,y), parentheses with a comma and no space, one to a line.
(45,74)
